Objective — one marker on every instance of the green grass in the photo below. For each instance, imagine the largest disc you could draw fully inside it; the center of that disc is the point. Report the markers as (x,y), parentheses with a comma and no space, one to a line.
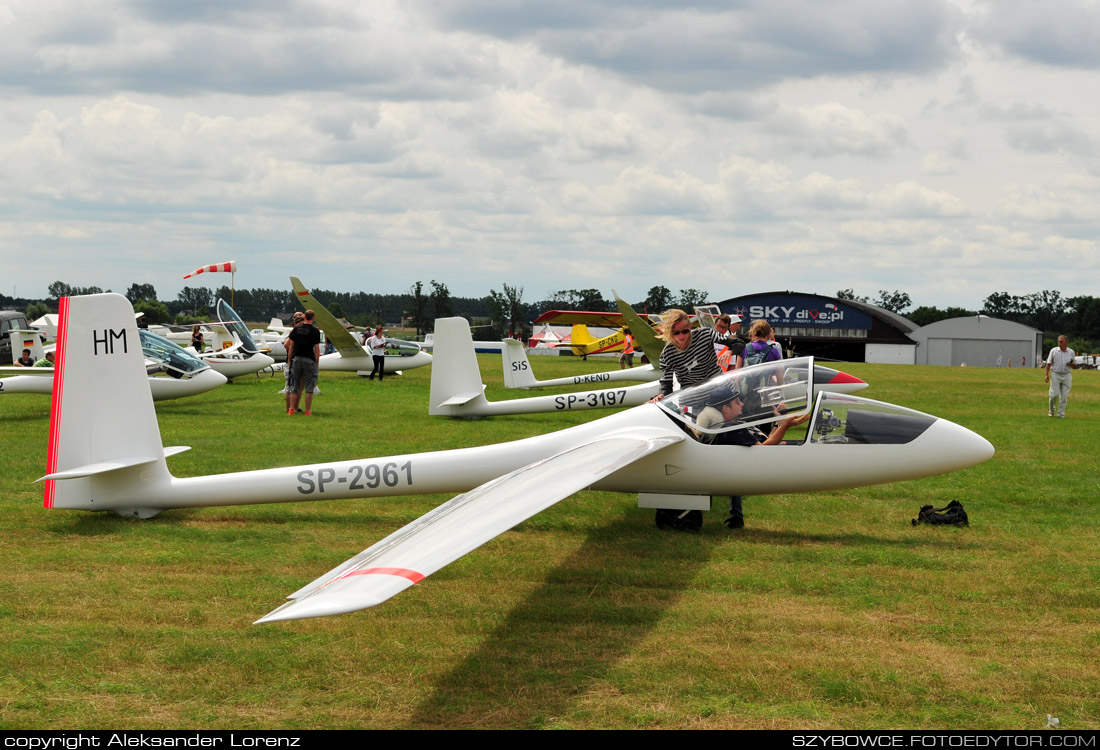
(828,611)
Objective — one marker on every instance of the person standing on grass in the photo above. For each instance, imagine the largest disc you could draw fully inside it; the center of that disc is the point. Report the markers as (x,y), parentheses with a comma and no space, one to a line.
(377,346)
(1059,363)
(626,359)
(297,320)
(303,353)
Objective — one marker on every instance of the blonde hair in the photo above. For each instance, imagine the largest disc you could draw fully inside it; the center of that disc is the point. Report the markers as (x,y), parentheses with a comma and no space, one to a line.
(669,319)
(760,329)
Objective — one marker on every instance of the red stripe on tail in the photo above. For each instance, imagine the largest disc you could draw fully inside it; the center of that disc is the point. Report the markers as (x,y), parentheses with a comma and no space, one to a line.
(58,388)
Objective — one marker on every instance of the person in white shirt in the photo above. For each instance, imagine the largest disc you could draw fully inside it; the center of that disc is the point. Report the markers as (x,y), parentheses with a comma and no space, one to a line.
(377,346)
(1058,365)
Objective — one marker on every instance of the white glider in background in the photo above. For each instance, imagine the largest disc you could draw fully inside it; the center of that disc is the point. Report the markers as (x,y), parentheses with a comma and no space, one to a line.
(106,454)
(457,390)
(350,356)
(171,371)
(518,372)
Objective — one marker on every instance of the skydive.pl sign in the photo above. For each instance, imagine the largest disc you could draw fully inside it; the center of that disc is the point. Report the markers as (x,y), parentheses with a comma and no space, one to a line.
(799,310)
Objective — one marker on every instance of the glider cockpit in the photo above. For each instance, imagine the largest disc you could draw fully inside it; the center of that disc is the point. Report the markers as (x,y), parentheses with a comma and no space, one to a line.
(771,392)
(767,393)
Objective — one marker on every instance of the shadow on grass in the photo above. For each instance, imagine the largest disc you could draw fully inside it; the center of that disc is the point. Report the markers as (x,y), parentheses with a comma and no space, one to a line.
(921,538)
(572,630)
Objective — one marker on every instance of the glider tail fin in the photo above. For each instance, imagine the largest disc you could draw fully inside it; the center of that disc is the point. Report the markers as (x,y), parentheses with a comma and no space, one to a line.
(29,339)
(456,378)
(517,368)
(102,420)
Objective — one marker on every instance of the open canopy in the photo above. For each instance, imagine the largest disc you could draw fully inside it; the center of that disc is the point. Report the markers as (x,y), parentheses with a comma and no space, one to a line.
(170,357)
(768,391)
(778,389)
(233,323)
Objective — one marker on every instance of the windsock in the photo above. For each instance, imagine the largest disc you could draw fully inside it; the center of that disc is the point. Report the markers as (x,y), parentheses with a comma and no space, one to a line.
(230,267)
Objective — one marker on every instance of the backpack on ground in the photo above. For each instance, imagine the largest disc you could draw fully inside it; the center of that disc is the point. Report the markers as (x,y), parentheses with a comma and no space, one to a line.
(953,514)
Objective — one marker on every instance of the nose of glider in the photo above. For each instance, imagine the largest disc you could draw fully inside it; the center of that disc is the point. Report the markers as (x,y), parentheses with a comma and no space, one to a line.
(208,380)
(836,381)
(956,446)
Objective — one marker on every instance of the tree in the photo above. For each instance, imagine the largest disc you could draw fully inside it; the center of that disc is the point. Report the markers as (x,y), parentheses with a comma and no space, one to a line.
(60,289)
(581,299)
(895,301)
(1002,305)
(416,292)
(657,299)
(1045,309)
(138,292)
(924,315)
(441,300)
(1086,318)
(36,310)
(850,295)
(194,298)
(155,312)
(689,298)
(507,315)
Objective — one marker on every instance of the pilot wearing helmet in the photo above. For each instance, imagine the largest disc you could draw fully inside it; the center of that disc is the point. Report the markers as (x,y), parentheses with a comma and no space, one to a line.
(724,406)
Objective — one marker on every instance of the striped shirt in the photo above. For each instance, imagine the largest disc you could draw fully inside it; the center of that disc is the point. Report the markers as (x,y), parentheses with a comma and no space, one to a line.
(695,364)
(1058,360)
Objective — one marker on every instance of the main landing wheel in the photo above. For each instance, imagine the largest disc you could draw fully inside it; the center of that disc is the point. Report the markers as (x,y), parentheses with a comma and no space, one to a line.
(682,520)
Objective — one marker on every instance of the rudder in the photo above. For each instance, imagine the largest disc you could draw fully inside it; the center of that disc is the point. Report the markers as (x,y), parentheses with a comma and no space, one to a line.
(102,417)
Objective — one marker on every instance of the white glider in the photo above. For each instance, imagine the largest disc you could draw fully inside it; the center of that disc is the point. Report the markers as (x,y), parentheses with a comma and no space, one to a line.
(172,372)
(457,390)
(518,373)
(106,454)
(350,356)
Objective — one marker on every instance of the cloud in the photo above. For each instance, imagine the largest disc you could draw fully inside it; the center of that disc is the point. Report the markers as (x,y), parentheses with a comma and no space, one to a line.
(1062,33)
(830,129)
(714,46)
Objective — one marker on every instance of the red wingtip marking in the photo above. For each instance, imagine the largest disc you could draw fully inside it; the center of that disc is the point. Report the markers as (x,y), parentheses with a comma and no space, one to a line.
(843,377)
(58,392)
(412,575)
(303,294)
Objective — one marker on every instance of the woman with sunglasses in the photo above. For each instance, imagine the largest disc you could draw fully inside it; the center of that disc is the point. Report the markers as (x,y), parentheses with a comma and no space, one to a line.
(689,352)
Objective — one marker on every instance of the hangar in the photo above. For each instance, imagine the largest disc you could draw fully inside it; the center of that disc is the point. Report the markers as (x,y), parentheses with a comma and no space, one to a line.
(829,327)
(978,341)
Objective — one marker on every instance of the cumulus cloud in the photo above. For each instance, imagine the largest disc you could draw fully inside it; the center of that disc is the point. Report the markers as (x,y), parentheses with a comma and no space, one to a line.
(830,129)
(1064,33)
(719,46)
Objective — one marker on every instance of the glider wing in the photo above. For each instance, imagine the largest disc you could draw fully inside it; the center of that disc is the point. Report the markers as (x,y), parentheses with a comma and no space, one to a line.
(341,337)
(466,522)
(645,335)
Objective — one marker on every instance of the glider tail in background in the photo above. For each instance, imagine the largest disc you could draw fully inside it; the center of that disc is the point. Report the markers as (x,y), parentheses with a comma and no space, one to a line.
(103,427)
(456,377)
(517,368)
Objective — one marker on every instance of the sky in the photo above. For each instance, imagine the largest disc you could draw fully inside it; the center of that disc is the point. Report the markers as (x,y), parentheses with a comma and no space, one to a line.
(945,148)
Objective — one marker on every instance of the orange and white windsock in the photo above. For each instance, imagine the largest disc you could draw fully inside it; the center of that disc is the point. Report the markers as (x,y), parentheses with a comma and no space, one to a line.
(228,267)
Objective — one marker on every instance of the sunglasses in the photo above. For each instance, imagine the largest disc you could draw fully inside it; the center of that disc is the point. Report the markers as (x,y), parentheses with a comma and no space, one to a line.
(682,332)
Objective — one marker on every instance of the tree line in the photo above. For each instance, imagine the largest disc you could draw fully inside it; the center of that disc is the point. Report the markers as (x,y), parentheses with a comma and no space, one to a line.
(505,313)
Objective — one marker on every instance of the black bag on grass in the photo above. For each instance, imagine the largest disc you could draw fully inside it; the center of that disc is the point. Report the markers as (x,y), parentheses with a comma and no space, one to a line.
(951,515)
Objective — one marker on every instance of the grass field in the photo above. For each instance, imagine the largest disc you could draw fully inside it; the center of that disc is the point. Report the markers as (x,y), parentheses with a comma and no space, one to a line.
(827,611)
